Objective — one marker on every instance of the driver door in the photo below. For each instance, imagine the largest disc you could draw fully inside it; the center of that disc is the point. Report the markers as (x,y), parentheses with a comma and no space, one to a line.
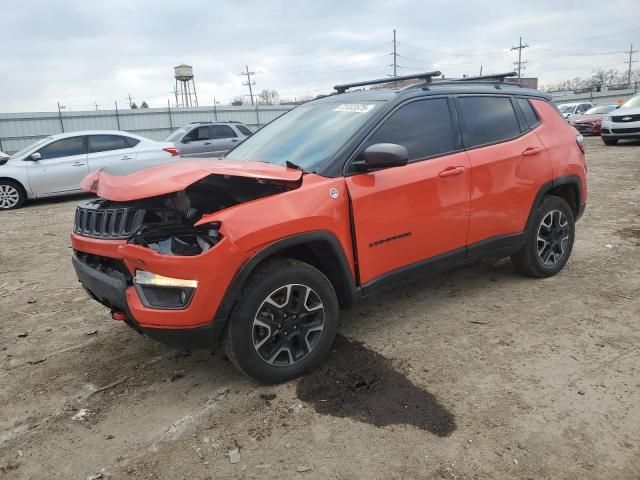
(200,143)
(413,218)
(61,167)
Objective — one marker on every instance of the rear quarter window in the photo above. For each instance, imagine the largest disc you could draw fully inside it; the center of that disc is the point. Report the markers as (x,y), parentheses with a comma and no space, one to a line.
(487,120)
(530,115)
(243,130)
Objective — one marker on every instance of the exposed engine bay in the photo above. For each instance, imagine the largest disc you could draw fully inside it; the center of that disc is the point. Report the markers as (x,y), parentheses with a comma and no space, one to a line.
(166,223)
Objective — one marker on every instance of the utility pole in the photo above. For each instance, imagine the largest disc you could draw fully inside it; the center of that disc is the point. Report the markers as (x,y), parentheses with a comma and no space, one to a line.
(248,74)
(480,70)
(130,101)
(630,61)
(519,64)
(395,55)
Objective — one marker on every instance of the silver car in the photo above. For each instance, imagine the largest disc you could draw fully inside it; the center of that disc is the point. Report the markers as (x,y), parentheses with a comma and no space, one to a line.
(208,139)
(55,165)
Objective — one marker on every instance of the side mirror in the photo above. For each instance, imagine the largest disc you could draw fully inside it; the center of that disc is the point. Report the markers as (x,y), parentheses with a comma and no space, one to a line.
(381,155)
(35,157)
(187,140)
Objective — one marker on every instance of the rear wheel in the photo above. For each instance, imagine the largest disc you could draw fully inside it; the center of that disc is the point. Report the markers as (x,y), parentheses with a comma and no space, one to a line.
(11,195)
(549,241)
(609,140)
(284,322)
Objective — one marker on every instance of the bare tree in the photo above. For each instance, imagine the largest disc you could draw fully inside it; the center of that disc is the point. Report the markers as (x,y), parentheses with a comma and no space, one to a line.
(237,102)
(144,104)
(134,106)
(269,97)
(602,77)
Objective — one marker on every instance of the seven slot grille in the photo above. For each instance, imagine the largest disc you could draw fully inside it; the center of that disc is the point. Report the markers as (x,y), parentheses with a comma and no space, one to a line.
(113,223)
(626,118)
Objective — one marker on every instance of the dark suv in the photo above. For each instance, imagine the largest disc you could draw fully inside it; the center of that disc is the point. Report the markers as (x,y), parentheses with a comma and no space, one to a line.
(329,203)
(208,139)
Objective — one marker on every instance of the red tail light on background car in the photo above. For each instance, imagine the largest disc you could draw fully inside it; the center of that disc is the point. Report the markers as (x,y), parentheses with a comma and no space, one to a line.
(172,150)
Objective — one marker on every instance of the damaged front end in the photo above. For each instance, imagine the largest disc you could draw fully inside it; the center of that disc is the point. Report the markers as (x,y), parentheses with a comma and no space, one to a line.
(167,223)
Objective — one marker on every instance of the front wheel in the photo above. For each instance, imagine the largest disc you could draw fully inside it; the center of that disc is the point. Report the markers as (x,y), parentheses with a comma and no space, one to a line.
(549,240)
(11,195)
(609,141)
(284,322)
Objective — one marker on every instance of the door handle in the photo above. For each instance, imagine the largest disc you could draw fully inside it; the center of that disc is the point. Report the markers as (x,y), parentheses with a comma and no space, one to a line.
(451,171)
(531,151)
(78,164)
(234,140)
(126,157)
(207,143)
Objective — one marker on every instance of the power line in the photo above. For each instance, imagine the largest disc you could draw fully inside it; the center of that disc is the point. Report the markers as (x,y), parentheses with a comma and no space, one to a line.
(249,82)
(520,47)
(630,61)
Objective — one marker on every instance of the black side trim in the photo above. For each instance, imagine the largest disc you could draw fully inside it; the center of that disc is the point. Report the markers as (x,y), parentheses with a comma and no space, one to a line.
(234,289)
(433,265)
(187,338)
(496,247)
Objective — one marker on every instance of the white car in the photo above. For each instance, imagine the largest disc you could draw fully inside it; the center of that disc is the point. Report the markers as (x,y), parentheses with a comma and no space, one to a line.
(622,123)
(569,109)
(3,156)
(55,165)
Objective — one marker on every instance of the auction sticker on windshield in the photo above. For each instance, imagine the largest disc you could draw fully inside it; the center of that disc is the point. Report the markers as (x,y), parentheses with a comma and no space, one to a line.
(354,107)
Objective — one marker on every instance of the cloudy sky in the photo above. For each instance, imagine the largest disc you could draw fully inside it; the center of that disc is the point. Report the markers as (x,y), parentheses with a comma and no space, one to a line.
(85,52)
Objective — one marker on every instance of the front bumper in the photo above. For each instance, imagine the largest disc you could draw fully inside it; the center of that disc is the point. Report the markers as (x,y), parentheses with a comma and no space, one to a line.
(587,128)
(621,130)
(197,325)
(111,289)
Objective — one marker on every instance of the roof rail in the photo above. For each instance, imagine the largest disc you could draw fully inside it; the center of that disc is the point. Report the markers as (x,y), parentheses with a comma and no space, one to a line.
(427,76)
(496,76)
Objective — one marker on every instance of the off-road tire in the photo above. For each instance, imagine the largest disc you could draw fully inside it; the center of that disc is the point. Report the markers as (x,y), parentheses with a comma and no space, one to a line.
(529,260)
(268,278)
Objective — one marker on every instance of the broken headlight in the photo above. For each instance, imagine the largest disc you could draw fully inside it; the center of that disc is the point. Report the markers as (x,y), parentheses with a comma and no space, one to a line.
(181,240)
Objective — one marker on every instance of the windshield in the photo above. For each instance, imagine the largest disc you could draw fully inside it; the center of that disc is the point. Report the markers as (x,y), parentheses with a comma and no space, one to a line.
(566,108)
(307,136)
(632,102)
(600,109)
(177,134)
(24,150)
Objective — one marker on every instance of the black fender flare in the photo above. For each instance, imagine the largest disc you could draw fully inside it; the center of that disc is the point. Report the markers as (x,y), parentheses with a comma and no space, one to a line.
(235,287)
(573,180)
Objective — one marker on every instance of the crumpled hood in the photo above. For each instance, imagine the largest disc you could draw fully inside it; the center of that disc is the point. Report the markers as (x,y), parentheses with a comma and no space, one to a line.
(123,185)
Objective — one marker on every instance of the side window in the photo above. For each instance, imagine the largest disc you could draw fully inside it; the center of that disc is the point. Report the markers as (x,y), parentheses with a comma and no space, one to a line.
(63,148)
(106,143)
(423,127)
(222,131)
(243,130)
(132,142)
(200,133)
(488,120)
(530,115)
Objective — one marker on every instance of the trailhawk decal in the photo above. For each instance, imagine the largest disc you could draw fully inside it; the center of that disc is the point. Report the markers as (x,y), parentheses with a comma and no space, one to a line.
(354,107)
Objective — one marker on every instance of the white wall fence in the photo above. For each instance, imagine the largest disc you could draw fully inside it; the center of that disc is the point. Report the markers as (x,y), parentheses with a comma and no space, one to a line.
(19,129)
(604,97)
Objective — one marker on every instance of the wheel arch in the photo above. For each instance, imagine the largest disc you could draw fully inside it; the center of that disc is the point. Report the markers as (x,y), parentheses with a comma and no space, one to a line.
(567,187)
(321,249)
(20,185)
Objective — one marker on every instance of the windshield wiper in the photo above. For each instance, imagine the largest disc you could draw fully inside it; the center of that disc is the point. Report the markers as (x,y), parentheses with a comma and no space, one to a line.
(296,167)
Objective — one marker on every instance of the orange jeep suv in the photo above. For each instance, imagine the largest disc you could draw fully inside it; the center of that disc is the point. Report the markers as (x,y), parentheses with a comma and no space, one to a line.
(333,201)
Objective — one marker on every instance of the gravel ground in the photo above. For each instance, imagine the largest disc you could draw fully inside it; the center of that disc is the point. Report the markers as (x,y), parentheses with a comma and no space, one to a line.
(478,373)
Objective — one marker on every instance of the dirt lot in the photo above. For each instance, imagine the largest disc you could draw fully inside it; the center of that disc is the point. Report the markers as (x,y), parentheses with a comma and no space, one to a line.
(479,373)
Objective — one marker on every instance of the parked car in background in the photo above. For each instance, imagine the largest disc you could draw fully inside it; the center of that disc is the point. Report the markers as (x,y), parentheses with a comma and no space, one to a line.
(590,122)
(623,123)
(569,109)
(331,202)
(56,164)
(208,139)
(3,156)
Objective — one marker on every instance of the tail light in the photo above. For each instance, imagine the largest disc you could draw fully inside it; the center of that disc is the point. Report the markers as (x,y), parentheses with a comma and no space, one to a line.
(172,150)
(580,142)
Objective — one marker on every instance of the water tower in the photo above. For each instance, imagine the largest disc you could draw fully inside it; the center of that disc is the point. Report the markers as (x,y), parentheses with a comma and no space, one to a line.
(185,86)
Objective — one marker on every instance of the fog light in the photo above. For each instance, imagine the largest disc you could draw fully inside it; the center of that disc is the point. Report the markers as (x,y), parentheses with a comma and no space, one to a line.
(154,280)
